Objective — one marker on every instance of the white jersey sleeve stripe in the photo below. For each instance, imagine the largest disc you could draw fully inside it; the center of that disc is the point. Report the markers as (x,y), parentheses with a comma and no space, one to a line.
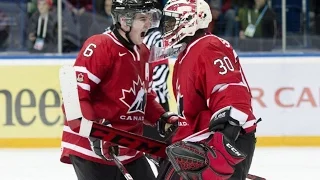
(91,153)
(84,86)
(221,87)
(249,124)
(87,151)
(91,76)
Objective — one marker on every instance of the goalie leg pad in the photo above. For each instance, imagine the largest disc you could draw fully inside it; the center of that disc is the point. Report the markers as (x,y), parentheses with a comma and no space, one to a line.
(213,159)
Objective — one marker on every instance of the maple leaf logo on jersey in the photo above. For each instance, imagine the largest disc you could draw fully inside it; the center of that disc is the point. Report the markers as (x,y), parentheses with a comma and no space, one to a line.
(135,98)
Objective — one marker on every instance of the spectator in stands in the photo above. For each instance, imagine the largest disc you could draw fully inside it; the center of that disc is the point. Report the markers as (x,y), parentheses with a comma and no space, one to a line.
(229,14)
(257,27)
(82,16)
(32,6)
(80,6)
(227,18)
(71,34)
(316,8)
(4,31)
(215,11)
(103,18)
(42,29)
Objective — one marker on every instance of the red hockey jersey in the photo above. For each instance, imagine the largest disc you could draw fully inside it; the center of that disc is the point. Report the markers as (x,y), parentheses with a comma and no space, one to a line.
(112,84)
(207,76)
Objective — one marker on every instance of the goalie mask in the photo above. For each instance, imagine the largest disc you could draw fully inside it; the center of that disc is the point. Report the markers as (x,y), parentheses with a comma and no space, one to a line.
(183,18)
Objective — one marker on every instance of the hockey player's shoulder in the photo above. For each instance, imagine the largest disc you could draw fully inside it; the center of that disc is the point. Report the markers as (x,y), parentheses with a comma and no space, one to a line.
(99,40)
(217,42)
(96,46)
(212,46)
(207,42)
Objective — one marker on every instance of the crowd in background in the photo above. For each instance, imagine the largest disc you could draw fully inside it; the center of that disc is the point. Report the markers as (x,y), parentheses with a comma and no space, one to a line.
(250,25)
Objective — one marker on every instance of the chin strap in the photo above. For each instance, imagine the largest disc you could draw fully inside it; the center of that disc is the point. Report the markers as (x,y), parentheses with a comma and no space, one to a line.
(118,26)
(128,37)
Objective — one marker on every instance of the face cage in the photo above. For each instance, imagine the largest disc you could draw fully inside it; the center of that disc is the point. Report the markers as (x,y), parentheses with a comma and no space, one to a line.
(169,23)
(130,16)
(171,29)
(185,25)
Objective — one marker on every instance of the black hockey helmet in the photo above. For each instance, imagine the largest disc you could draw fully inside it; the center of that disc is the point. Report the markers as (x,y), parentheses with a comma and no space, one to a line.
(128,9)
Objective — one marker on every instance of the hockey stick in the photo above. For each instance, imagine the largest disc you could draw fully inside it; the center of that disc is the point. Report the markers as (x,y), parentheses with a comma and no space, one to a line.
(119,164)
(254,177)
(152,159)
(86,128)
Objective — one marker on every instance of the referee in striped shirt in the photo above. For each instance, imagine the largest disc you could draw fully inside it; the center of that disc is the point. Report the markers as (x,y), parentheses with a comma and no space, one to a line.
(160,74)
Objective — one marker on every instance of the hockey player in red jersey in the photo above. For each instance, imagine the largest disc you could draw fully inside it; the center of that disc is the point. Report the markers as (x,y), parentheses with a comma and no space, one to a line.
(113,85)
(211,93)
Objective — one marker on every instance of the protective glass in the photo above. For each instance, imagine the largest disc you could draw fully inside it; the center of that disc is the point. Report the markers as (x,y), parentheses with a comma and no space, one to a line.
(155,17)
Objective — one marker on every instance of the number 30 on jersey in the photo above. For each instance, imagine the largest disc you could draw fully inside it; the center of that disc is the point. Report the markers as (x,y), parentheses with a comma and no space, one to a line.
(224,64)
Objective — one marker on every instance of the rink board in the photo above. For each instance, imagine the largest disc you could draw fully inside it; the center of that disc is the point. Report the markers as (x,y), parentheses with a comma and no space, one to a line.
(286,94)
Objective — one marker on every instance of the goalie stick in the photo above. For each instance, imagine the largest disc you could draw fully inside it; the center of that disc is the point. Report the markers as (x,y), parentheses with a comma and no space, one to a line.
(86,128)
(254,177)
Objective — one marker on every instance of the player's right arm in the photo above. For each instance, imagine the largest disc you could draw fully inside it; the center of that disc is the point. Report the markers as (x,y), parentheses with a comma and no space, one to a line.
(222,83)
(91,66)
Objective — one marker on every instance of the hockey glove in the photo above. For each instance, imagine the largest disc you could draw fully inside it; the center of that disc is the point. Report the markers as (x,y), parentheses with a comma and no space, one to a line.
(103,148)
(211,159)
(222,121)
(167,123)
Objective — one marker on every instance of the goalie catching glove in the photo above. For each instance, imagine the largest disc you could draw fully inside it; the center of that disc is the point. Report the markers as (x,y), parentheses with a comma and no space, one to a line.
(212,159)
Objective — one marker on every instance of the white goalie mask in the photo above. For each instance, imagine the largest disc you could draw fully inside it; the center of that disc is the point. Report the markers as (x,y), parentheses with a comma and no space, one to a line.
(183,18)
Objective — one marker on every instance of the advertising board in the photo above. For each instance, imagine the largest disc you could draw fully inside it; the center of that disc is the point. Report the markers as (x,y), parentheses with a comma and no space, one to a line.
(285,90)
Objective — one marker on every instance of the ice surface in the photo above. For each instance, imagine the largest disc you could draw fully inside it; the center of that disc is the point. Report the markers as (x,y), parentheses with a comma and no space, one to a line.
(271,163)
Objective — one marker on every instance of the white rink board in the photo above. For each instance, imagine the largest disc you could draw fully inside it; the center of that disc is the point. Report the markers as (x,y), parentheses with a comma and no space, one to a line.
(286,91)
(286,94)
